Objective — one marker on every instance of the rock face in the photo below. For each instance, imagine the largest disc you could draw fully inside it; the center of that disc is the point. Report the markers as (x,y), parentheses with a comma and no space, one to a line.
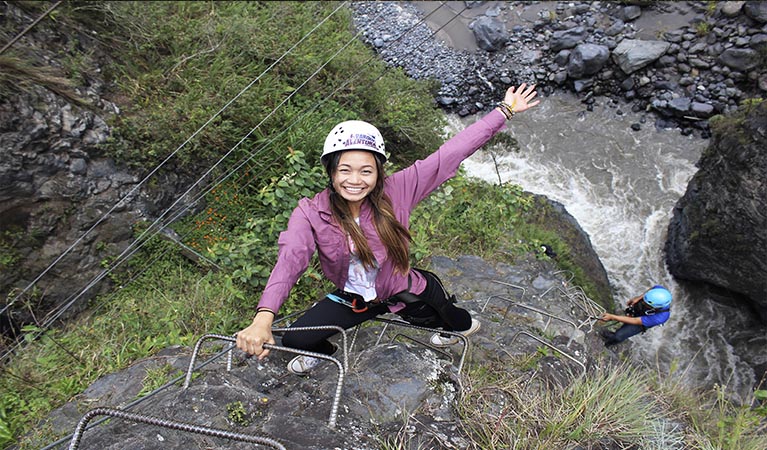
(394,386)
(718,233)
(65,206)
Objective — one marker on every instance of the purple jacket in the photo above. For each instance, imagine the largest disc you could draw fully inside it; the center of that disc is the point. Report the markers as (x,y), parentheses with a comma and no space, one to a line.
(311,226)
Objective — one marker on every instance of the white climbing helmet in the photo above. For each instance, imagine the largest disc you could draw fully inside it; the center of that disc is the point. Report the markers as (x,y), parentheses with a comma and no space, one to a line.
(353,135)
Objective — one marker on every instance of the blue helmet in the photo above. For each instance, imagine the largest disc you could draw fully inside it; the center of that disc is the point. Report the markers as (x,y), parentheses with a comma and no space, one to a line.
(658,297)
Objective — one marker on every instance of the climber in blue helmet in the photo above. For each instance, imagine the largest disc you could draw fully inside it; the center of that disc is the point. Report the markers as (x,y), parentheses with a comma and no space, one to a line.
(644,311)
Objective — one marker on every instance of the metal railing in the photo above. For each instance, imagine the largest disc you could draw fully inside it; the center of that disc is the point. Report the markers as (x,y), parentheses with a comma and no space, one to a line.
(522,305)
(341,370)
(401,323)
(186,427)
(550,345)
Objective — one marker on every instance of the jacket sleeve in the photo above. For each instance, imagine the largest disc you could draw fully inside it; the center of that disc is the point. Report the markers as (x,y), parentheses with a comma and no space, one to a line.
(414,183)
(296,247)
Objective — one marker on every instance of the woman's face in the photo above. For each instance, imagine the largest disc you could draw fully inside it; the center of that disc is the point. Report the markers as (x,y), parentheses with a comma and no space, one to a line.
(355,176)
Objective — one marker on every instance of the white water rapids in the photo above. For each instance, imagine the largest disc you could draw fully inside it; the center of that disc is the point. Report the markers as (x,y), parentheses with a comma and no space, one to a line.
(621,186)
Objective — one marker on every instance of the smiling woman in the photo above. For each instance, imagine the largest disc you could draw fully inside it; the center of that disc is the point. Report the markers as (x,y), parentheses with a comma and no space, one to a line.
(354,178)
(359,228)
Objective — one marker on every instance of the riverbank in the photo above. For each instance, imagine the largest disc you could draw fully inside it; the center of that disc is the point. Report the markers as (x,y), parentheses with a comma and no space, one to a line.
(678,62)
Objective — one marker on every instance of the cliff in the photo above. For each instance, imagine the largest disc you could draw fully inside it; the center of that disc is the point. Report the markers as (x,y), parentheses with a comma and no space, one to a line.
(718,233)
(536,328)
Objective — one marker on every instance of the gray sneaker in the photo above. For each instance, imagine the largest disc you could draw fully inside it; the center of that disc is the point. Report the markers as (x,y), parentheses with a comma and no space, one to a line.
(302,365)
(438,340)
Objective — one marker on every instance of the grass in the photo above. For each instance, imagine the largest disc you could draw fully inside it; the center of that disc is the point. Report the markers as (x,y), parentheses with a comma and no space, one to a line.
(605,405)
(713,420)
(170,80)
(175,305)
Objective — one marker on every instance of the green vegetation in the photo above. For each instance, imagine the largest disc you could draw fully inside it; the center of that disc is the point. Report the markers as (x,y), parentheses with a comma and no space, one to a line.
(702,28)
(176,65)
(470,205)
(607,406)
(237,414)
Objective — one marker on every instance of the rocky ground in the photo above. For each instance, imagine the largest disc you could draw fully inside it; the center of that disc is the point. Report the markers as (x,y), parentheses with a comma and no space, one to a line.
(394,386)
(682,62)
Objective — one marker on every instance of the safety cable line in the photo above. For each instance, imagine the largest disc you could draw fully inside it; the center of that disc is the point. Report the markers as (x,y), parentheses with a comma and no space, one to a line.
(59,311)
(157,168)
(29,27)
(316,106)
(306,113)
(103,274)
(130,250)
(252,155)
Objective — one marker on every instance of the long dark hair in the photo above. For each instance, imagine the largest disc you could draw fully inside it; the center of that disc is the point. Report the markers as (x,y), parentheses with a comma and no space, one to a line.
(394,236)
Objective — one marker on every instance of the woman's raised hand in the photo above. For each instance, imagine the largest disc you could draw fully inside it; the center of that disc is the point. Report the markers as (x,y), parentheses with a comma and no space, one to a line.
(521,99)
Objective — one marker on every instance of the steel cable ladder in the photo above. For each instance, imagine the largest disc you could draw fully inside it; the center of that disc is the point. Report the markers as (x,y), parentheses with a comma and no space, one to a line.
(82,425)
(574,294)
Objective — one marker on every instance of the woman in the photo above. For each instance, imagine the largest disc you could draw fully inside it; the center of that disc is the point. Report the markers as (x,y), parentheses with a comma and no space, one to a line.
(359,227)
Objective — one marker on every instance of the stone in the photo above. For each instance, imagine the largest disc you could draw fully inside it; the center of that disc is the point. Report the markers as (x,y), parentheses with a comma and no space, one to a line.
(490,33)
(740,59)
(756,10)
(718,233)
(633,54)
(586,60)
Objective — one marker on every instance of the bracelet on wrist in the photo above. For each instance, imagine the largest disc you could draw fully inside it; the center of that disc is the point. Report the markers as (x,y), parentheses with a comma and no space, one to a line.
(265,309)
(507,110)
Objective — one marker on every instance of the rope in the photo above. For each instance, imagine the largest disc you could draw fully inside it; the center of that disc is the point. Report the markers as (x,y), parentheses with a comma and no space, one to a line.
(129,251)
(32,25)
(124,256)
(131,193)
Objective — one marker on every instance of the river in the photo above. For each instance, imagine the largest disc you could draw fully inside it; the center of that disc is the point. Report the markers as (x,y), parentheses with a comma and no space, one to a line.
(621,185)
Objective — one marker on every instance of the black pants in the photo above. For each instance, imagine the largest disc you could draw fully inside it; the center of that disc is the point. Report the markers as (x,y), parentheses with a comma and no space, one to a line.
(328,312)
(624,332)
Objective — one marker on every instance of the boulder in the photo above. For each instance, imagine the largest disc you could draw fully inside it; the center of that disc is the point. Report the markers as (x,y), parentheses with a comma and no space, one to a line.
(756,11)
(490,33)
(587,59)
(718,232)
(633,54)
(740,59)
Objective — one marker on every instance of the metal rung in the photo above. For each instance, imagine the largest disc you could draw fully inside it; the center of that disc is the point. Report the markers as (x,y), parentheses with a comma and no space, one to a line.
(460,336)
(522,305)
(181,426)
(550,345)
(341,370)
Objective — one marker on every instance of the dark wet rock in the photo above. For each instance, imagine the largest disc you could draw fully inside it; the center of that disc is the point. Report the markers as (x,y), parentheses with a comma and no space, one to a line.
(740,59)
(392,379)
(702,110)
(631,12)
(756,10)
(566,39)
(718,232)
(587,59)
(490,33)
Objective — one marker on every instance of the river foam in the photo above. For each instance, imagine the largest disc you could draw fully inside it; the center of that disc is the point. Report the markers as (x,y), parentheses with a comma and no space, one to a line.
(621,185)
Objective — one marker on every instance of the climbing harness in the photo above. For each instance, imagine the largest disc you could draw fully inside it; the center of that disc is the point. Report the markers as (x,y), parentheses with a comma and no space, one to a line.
(350,299)
(424,311)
